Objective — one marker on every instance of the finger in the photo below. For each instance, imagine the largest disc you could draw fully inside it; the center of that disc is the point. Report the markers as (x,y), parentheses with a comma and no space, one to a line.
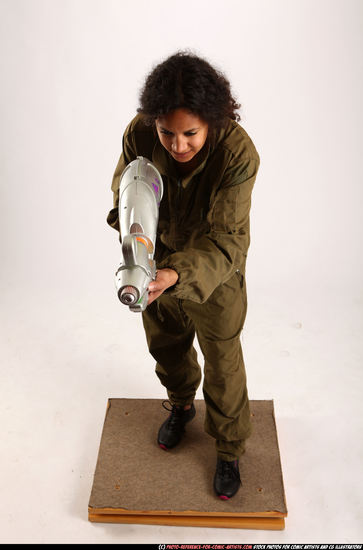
(153,286)
(152,296)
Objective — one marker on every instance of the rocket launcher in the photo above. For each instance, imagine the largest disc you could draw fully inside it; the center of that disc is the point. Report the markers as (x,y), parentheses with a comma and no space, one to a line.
(141,191)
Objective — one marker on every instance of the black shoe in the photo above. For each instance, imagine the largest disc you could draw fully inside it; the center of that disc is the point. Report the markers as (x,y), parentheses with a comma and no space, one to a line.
(172,430)
(227,480)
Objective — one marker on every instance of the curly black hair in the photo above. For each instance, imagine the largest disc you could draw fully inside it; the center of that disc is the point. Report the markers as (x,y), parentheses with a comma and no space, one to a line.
(185,80)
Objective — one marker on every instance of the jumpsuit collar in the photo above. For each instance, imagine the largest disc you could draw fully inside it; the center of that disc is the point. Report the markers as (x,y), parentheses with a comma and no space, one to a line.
(167,166)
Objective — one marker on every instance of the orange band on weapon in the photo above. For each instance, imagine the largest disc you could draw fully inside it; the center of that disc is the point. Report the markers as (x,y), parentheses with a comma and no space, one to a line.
(142,240)
(146,242)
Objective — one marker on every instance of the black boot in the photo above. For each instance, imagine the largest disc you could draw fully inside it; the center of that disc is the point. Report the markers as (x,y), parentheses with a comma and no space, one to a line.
(172,430)
(227,479)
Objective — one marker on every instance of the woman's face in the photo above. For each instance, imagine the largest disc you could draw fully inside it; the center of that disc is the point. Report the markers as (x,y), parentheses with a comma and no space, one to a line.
(182,133)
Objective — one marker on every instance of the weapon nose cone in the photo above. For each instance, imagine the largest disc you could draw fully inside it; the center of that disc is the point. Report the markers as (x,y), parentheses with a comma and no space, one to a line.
(129,295)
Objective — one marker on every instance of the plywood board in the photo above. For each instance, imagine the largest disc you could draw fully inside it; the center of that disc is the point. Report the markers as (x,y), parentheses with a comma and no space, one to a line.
(137,482)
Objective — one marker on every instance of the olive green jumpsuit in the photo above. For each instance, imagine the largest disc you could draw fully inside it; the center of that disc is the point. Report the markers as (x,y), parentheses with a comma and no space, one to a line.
(203,234)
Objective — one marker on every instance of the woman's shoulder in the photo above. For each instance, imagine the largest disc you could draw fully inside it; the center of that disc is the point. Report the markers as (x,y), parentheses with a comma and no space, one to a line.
(140,137)
(234,139)
(138,125)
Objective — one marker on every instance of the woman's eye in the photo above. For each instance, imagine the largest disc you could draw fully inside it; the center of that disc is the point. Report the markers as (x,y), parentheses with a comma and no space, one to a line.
(167,133)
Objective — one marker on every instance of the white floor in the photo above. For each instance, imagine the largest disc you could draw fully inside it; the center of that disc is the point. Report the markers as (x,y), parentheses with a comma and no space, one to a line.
(62,357)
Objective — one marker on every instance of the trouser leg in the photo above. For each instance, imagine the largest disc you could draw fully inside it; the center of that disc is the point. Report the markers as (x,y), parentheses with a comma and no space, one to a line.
(170,335)
(218,324)
(226,397)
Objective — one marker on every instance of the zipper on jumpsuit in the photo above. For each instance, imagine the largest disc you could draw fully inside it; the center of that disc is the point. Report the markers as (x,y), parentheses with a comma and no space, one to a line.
(178,201)
(158,311)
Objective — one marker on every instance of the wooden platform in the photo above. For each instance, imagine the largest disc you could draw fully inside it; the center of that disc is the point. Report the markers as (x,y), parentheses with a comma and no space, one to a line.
(137,482)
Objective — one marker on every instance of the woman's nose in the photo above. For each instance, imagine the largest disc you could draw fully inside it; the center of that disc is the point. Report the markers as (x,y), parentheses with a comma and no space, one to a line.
(179,144)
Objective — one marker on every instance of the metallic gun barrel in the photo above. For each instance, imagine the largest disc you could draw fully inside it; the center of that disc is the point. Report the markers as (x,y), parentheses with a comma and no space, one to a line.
(140,194)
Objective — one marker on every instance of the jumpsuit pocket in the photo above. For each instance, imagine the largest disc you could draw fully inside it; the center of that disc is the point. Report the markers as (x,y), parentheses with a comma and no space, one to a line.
(240,277)
(160,316)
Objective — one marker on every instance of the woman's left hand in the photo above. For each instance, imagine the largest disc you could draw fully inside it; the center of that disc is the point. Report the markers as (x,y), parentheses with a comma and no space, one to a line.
(165,278)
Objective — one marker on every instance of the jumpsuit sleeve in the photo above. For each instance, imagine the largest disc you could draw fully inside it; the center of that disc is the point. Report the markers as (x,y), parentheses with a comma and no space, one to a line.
(212,259)
(128,154)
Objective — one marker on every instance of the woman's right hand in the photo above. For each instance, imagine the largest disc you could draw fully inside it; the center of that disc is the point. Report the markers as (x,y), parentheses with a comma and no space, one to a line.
(165,278)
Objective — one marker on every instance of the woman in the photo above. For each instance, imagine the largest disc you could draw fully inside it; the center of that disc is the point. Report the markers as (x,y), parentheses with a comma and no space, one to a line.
(187,126)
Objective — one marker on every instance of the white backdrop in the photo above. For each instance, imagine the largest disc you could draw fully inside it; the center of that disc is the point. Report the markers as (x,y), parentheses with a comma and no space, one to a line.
(71,72)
